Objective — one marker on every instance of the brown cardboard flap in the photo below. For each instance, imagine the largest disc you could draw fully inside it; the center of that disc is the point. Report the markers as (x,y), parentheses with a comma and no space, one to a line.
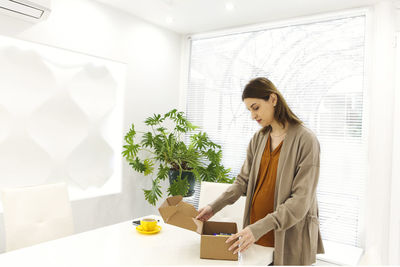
(168,208)
(172,201)
(187,209)
(179,213)
(167,212)
(199,225)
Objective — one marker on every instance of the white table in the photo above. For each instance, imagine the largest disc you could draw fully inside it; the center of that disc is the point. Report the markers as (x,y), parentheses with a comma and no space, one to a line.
(120,244)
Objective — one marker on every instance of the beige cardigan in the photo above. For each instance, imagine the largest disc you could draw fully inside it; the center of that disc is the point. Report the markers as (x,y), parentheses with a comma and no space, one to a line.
(295,217)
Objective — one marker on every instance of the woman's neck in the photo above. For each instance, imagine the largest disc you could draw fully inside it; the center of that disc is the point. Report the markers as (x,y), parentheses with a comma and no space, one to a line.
(278,129)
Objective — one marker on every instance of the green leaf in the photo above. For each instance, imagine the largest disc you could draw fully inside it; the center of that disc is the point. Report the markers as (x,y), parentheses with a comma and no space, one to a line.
(196,175)
(130,151)
(138,166)
(190,126)
(149,166)
(154,193)
(180,118)
(224,177)
(198,141)
(156,119)
(147,140)
(180,129)
(214,156)
(130,134)
(162,130)
(162,172)
(179,187)
(171,114)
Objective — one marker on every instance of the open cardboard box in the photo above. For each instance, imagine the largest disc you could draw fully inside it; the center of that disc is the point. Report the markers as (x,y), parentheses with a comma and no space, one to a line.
(179,213)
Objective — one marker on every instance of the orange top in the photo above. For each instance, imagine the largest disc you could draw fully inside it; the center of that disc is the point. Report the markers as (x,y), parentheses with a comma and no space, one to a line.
(263,198)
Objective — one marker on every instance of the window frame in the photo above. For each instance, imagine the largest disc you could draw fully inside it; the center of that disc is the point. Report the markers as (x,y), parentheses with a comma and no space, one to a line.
(336,257)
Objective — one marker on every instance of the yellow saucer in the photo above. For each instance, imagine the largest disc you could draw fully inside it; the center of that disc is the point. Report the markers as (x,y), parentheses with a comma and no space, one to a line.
(155,231)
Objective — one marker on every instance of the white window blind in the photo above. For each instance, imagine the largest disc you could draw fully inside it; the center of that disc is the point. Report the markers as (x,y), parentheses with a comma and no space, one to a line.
(319,68)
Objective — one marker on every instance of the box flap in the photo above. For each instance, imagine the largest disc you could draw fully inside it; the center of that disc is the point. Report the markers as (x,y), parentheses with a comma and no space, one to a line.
(179,213)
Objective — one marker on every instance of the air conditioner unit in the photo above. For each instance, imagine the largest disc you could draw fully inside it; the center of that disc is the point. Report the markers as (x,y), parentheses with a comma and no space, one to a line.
(29,10)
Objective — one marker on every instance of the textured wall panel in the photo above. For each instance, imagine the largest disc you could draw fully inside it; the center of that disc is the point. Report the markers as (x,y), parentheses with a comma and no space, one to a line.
(60,117)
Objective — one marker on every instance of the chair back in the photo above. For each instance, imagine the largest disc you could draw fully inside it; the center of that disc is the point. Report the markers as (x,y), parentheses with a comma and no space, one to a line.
(231,213)
(36,214)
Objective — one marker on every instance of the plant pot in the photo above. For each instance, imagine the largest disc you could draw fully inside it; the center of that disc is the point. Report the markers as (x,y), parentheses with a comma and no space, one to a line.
(173,175)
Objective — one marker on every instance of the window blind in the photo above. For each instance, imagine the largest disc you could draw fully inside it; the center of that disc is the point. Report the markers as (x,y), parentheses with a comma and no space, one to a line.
(319,68)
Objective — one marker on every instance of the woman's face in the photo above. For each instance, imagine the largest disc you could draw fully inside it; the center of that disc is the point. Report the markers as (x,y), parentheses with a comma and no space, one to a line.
(261,110)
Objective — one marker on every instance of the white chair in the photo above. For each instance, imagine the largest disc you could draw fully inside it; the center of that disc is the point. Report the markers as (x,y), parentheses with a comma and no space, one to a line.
(36,214)
(231,213)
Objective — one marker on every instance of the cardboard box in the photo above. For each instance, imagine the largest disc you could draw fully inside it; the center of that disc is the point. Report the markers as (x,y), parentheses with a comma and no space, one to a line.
(179,213)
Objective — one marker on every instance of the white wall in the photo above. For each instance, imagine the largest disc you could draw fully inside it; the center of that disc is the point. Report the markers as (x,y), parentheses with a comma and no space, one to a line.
(394,229)
(380,58)
(153,59)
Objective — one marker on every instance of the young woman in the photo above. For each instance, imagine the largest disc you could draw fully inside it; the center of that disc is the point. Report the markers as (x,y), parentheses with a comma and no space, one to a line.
(279,179)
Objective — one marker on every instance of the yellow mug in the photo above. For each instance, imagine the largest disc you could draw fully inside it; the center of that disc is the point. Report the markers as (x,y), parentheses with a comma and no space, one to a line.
(148,224)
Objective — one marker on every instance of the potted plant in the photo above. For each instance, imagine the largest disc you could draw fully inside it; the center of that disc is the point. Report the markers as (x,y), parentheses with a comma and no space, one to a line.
(198,159)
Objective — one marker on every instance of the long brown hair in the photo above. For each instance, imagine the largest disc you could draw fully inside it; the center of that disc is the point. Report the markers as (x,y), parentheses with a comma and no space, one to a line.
(262,88)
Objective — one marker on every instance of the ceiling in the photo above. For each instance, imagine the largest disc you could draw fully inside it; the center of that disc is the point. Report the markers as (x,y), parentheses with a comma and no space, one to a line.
(198,16)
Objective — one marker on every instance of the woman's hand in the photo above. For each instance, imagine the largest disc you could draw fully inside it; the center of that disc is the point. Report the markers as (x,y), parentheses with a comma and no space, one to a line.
(205,213)
(246,239)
